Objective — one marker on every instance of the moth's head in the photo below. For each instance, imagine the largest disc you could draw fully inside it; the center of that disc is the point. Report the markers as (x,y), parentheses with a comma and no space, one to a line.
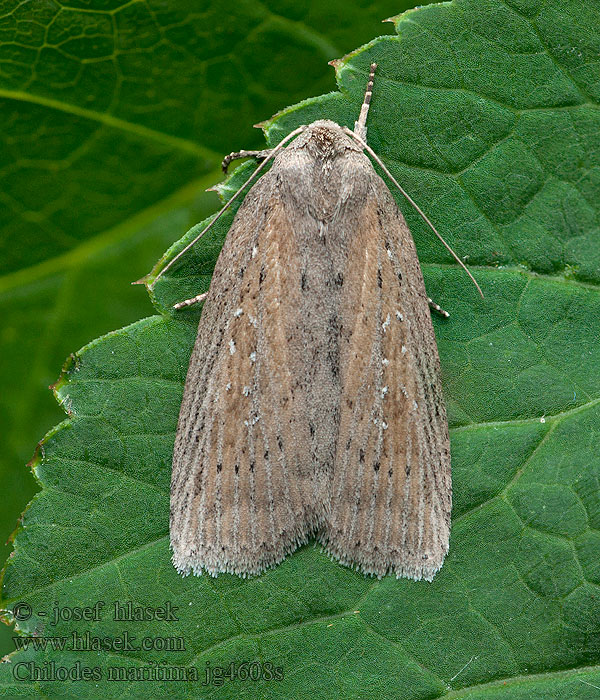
(325,139)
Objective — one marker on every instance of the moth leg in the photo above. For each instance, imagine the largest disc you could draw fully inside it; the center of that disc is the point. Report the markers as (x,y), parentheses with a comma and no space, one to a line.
(437,308)
(259,155)
(188,302)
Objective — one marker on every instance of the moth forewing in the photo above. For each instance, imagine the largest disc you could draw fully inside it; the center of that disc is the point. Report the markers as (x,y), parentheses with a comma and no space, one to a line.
(391,493)
(243,495)
(312,404)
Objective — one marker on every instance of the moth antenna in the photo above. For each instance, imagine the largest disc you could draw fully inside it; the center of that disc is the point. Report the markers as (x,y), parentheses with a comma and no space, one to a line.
(411,202)
(360,126)
(226,206)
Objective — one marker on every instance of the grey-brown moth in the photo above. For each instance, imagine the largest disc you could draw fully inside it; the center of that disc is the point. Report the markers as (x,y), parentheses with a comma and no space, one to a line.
(313,403)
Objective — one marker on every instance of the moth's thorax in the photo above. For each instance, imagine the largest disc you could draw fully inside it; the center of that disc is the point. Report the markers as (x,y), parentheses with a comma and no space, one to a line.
(325,139)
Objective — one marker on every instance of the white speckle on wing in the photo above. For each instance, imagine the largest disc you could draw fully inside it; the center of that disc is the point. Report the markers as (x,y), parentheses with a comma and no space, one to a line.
(246,391)
(385,362)
(231,347)
(404,349)
(385,325)
(252,320)
(252,357)
(384,425)
(389,252)
(384,391)
(415,405)
(251,422)
(228,387)
(254,251)
(399,316)
(238,312)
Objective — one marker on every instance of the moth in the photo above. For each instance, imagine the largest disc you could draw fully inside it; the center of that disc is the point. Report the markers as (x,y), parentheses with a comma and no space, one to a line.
(313,403)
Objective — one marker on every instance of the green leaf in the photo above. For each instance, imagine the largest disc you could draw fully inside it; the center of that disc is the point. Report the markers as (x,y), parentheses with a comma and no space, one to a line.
(114,119)
(487,112)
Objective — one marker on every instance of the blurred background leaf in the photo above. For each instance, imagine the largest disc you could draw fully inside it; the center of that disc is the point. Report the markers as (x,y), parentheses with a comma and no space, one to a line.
(114,118)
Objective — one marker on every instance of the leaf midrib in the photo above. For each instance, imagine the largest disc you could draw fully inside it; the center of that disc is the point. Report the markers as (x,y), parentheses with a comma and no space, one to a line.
(529,678)
(107,119)
(101,241)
